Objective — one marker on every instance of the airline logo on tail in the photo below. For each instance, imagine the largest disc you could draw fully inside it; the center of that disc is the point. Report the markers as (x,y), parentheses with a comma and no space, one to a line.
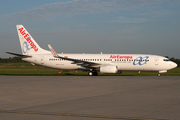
(28,40)
(25,47)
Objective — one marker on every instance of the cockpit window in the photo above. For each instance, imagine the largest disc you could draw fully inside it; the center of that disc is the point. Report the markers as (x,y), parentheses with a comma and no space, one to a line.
(166,60)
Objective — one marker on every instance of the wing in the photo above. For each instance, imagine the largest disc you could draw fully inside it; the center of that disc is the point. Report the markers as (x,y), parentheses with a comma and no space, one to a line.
(75,61)
(20,55)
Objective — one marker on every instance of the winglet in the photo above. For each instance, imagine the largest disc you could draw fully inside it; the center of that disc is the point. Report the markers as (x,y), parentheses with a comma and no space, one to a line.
(52,51)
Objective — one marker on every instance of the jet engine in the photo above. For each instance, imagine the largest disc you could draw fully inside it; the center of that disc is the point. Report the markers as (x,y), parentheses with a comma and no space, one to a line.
(108,69)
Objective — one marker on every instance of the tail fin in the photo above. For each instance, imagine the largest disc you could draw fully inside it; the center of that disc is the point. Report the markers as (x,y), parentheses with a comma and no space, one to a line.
(28,44)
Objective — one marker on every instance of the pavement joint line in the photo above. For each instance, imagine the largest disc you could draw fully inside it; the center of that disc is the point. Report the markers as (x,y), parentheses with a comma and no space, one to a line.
(76,115)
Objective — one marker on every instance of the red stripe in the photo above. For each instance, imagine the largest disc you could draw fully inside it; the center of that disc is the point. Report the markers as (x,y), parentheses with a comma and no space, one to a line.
(53,52)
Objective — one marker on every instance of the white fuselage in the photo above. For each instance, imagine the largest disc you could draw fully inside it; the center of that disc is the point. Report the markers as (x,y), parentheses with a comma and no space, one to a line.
(104,63)
(124,62)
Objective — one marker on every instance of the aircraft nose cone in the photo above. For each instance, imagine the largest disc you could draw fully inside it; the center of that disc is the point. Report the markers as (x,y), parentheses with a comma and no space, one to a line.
(173,65)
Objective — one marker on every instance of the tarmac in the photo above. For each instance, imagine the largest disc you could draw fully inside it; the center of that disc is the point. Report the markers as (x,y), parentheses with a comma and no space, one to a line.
(89,97)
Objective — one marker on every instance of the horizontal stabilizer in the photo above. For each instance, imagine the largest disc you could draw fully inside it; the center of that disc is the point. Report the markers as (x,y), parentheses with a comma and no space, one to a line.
(20,55)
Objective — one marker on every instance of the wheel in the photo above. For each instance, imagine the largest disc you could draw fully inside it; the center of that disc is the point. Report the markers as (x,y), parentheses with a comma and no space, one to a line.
(90,73)
(95,73)
(159,74)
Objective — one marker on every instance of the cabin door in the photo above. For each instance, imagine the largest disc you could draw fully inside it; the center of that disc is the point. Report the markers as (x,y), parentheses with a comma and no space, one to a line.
(156,61)
(42,60)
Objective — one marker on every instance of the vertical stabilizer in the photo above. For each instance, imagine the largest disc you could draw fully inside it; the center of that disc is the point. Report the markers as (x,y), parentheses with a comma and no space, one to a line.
(28,44)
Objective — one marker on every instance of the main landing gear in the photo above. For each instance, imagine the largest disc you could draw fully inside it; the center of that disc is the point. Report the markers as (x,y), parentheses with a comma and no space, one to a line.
(93,73)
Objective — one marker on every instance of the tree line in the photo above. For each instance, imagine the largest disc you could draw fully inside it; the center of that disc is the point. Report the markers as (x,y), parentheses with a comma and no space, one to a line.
(11,60)
(19,60)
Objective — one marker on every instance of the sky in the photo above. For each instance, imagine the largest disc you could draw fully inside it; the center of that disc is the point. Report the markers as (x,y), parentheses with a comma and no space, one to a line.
(93,26)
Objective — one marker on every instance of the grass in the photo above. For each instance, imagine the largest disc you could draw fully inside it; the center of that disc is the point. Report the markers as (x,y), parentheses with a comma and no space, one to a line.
(28,69)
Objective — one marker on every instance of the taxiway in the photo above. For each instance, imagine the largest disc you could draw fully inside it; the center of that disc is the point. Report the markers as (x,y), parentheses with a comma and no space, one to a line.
(89,97)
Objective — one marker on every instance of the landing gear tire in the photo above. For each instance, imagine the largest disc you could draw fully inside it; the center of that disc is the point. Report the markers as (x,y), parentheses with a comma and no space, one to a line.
(90,73)
(93,73)
(159,74)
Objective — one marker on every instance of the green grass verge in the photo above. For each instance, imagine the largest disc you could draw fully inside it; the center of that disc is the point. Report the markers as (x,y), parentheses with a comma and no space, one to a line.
(28,69)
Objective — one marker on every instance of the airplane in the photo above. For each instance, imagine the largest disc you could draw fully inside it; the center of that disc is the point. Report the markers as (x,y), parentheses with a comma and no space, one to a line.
(94,63)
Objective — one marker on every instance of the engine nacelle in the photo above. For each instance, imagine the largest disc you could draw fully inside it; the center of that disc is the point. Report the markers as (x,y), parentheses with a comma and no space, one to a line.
(108,69)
